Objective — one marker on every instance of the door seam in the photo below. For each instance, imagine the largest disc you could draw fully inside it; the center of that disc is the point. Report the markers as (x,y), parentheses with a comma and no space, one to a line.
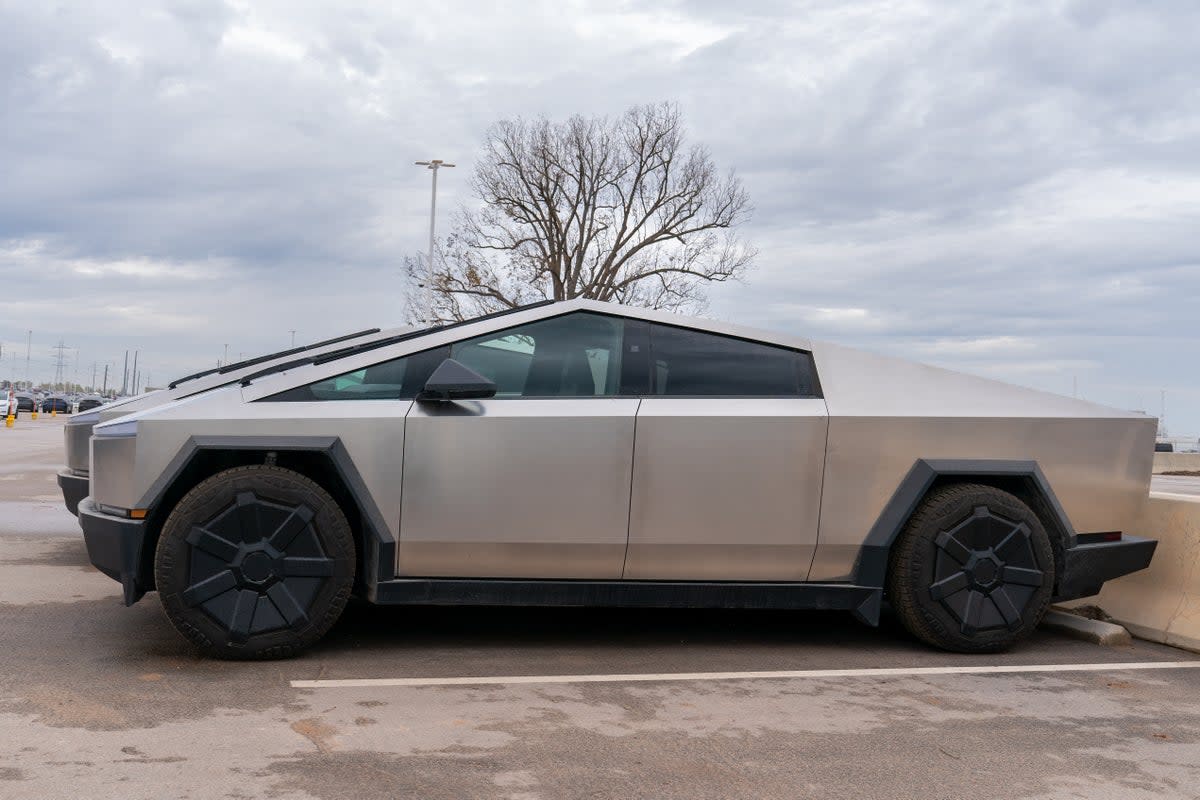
(629,511)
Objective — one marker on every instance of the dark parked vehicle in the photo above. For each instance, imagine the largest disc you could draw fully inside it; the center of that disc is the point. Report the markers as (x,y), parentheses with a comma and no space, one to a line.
(88,403)
(58,404)
(1164,447)
(25,402)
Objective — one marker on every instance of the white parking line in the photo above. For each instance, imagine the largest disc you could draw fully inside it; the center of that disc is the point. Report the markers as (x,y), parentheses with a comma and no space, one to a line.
(888,672)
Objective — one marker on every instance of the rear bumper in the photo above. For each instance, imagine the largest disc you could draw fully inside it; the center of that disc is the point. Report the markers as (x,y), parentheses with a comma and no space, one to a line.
(74,488)
(1087,566)
(114,547)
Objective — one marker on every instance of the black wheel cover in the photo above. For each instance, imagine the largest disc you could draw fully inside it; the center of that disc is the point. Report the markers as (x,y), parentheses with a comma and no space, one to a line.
(255,562)
(973,569)
(256,566)
(985,572)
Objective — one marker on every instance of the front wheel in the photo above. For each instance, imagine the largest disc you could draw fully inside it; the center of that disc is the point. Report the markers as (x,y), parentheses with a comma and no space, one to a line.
(255,562)
(972,571)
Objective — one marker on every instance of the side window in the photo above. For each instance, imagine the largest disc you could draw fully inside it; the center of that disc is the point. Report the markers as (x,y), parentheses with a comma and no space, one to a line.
(399,379)
(687,363)
(576,355)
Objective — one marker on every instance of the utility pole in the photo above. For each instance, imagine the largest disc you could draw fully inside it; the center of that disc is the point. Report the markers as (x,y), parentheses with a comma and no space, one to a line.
(28,344)
(92,385)
(135,355)
(105,389)
(434,165)
(125,376)
(1162,414)
(226,359)
(293,338)
(60,362)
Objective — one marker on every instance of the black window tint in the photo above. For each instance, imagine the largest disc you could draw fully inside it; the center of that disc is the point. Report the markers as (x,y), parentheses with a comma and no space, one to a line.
(687,363)
(576,355)
(399,379)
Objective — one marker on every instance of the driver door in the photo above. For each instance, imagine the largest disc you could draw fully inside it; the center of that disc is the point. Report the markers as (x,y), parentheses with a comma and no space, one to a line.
(531,483)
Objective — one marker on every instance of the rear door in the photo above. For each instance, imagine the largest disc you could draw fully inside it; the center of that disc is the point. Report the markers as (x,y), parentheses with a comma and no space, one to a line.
(535,482)
(728,461)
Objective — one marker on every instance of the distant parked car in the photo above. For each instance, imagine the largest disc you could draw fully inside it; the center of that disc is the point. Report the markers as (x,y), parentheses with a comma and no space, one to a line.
(88,402)
(25,402)
(1164,447)
(58,404)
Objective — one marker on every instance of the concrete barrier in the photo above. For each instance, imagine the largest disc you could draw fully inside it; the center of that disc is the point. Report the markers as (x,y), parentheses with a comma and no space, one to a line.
(1162,602)
(1176,462)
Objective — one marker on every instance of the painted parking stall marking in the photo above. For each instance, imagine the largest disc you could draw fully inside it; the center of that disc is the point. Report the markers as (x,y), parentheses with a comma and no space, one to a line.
(890,672)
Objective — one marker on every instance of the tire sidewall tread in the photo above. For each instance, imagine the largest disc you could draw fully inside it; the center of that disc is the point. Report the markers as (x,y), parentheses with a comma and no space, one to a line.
(910,567)
(208,498)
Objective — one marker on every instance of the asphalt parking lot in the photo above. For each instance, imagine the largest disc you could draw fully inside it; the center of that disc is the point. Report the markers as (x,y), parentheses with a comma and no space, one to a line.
(100,701)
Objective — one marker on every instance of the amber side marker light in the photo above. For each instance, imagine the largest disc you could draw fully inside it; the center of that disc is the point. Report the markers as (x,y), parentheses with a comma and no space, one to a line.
(138,513)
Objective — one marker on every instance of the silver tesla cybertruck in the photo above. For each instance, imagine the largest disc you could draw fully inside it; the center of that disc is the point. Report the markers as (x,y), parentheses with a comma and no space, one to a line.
(581,453)
(73,478)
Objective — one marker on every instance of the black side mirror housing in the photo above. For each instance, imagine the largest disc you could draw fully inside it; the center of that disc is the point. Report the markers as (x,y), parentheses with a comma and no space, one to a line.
(454,381)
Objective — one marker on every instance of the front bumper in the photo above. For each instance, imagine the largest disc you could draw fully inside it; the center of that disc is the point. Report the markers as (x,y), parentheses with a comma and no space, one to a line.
(114,546)
(1087,566)
(74,488)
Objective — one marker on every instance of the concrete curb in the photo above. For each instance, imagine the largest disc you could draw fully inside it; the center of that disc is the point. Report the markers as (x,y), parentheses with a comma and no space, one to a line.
(1089,630)
(1161,603)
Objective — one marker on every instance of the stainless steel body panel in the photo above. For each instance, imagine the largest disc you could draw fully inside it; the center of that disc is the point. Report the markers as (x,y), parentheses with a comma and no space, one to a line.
(76,438)
(112,480)
(726,489)
(529,488)
(372,431)
(886,413)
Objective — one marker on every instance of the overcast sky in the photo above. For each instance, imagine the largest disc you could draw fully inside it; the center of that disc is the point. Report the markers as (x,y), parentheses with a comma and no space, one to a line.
(1008,189)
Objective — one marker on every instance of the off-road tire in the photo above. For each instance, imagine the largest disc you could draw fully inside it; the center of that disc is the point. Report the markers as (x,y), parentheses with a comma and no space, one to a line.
(972,571)
(255,562)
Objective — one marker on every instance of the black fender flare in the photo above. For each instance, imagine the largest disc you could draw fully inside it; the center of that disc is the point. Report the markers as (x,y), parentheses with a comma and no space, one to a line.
(870,569)
(379,545)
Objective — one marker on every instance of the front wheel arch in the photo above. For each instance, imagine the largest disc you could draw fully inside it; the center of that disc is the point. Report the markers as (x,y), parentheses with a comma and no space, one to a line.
(317,465)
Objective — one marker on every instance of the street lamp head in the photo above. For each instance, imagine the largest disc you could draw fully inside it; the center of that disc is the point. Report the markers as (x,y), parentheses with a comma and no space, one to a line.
(432,164)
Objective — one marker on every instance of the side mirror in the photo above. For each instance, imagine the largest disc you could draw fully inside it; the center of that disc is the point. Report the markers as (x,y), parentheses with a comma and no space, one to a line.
(454,381)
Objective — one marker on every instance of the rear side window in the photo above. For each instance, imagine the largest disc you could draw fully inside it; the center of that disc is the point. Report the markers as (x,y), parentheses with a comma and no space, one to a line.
(399,379)
(688,363)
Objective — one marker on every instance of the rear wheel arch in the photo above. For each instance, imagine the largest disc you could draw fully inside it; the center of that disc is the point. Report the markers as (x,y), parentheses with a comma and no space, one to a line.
(1022,479)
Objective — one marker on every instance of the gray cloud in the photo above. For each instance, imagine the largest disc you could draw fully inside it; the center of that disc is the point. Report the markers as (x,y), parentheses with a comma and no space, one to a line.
(1009,188)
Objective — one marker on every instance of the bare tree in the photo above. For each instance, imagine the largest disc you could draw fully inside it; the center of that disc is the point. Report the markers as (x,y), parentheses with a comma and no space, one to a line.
(620,210)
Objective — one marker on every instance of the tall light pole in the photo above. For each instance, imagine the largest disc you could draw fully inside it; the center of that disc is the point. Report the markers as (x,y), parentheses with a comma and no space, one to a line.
(293,338)
(432,165)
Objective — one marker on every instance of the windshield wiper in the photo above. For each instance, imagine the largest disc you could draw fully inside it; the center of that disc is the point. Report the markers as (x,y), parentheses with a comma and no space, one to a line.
(250,362)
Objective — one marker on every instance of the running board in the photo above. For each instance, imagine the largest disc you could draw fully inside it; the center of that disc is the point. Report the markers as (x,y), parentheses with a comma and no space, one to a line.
(861,601)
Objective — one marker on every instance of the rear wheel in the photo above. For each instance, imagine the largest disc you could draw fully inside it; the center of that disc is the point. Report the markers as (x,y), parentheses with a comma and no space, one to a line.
(972,571)
(255,562)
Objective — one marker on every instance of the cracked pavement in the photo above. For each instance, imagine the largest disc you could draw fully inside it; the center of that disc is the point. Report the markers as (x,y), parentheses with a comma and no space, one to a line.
(102,701)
